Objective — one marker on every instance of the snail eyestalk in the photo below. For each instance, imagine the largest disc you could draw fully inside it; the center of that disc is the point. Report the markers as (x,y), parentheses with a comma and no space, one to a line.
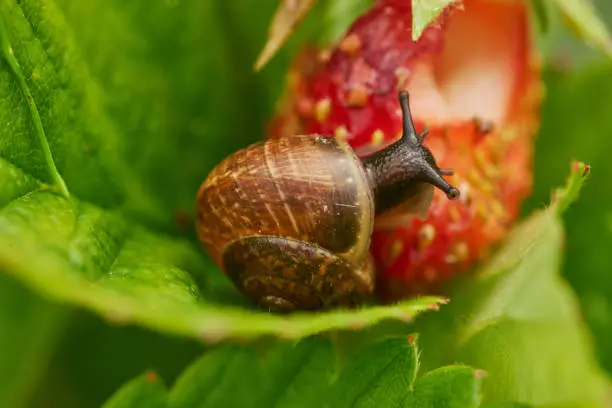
(433,177)
(410,135)
(398,172)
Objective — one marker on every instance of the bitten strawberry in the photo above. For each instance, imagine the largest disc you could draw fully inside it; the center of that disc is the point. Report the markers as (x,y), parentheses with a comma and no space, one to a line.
(474,82)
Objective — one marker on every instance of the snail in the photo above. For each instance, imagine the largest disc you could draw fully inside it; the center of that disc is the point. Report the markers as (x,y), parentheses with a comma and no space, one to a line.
(289,220)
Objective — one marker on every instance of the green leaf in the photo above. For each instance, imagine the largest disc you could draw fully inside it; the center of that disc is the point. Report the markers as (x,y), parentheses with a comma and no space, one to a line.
(540,11)
(535,367)
(29,330)
(9,57)
(306,375)
(585,23)
(380,375)
(146,391)
(94,358)
(288,15)
(519,321)
(285,375)
(531,314)
(103,97)
(298,375)
(383,374)
(325,22)
(424,12)
(563,198)
(77,253)
(328,21)
(134,116)
(573,126)
(451,387)
(227,377)
(339,15)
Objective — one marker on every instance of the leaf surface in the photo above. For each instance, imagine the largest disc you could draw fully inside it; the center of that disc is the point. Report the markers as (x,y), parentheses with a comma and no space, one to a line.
(286,375)
(585,23)
(306,374)
(520,322)
(135,115)
(29,331)
(287,17)
(323,22)
(574,122)
(424,12)
(380,375)
(452,387)
(144,391)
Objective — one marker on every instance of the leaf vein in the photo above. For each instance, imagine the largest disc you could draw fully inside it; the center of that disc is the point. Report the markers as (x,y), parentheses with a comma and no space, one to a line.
(7,52)
(222,374)
(375,380)
(290,379)
(119,169)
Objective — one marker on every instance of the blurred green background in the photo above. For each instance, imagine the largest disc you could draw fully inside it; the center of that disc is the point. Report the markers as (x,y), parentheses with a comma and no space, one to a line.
(52,356)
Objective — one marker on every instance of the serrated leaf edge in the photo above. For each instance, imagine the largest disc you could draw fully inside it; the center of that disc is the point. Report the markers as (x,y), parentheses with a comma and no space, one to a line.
(566,196)
(189,374)
(418,25)
(562,198)
(204,323)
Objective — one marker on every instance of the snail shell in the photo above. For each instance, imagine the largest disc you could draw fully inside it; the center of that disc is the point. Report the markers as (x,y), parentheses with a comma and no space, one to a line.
(290,221)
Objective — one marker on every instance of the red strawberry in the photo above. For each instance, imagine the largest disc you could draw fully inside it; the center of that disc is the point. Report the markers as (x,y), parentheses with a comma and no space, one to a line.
(474,83)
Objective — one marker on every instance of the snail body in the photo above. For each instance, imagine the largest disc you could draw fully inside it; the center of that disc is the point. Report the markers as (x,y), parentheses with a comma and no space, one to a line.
(289,220)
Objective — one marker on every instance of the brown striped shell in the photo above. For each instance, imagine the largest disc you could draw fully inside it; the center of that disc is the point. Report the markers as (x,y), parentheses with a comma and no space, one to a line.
(289,220)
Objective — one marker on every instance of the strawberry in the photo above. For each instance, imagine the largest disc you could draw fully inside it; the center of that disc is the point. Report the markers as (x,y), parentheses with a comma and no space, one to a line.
(474,81)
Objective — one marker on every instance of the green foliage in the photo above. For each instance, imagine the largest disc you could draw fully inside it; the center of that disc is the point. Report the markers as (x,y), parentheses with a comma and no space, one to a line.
(575,122)
(381,374)
(585,22)
(130,113)
(93,358)
(424,12)
(275,376)
(9,57)
(541,11)
(519,321)
(452,387)
(306,375)
(29,331)
(144,391)
(385,375)
(338,17)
